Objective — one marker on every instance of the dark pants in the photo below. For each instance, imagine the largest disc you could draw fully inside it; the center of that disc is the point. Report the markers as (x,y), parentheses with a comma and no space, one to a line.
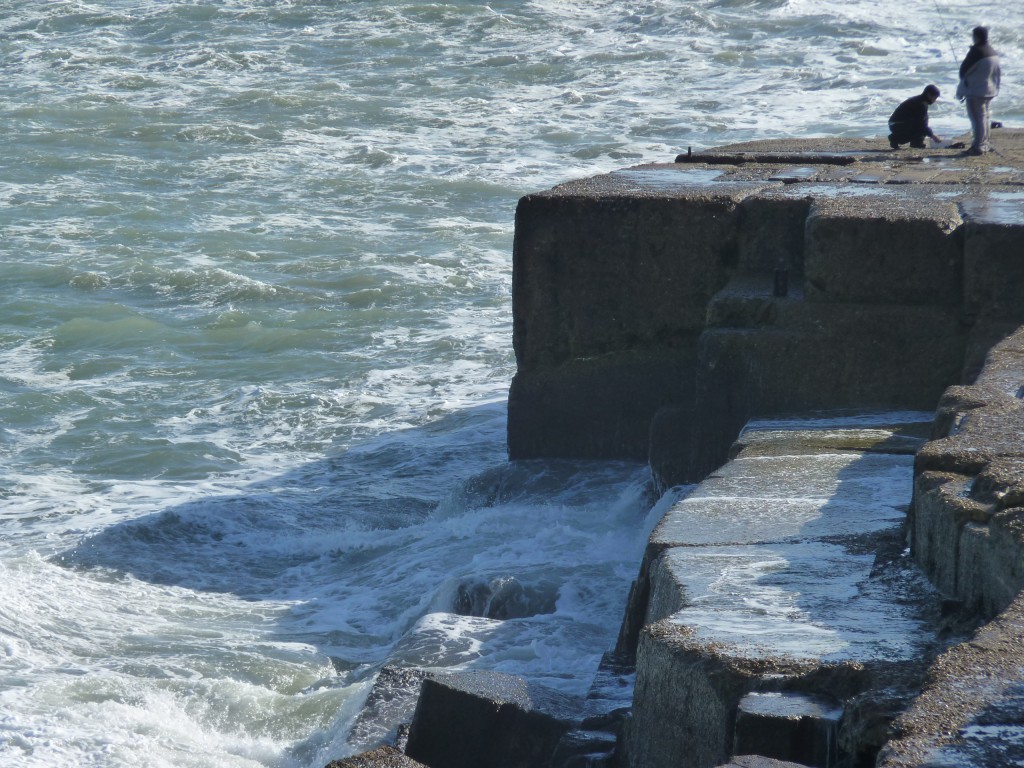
(901,134)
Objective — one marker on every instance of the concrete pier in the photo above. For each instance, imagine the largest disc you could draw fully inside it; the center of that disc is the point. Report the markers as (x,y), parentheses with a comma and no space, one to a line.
(658,308)
(661,308)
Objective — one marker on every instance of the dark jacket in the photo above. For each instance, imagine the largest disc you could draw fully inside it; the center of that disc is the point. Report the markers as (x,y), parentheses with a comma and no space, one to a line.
(911,117)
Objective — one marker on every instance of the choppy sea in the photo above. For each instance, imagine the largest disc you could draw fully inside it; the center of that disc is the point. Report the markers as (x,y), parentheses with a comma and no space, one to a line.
(255,337)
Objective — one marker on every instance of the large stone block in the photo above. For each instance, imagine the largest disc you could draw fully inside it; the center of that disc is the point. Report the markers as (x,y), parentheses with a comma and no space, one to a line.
(618,262)
(763,355)
(685,700)
(771,232)
(782,573)
(388,709)
(989,430)
(1003,369)
(815,601)
(800,357)
(599,407)
(899,433)
(994,255)
(739,378)
(974,545)
(967,532)
(667,590)
(794,497)
(954,403)
(483,719)
(990,562)
(883,248)
(986,334)
(1004,566)
(1001,483)
(941,509)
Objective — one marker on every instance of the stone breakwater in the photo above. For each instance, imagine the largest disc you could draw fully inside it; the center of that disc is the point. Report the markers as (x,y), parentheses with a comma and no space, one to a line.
(645,320)
(825,337)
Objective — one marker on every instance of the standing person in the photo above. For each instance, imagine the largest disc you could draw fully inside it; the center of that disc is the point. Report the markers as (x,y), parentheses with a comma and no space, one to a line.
(979,84)
(909,123)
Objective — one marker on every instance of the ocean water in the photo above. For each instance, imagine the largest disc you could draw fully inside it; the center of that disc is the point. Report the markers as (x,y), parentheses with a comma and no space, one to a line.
(255,337)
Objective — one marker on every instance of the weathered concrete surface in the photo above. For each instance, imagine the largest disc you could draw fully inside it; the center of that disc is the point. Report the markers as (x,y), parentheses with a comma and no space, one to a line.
(967,528)
(619,262)
(388,708)
(782,572)
(599,407)
(865,249)
(864,449)
(646,315)
(686,698)
(971,713)
(610,285)
(993,267)
(481,719)
(382,757)
(764,355)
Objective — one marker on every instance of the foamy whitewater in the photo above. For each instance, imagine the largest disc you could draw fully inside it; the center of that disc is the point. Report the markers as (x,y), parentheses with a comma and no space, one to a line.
(255,337)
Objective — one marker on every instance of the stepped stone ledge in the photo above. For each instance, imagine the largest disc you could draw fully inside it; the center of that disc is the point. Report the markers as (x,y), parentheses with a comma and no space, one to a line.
(783,577)
(817,345)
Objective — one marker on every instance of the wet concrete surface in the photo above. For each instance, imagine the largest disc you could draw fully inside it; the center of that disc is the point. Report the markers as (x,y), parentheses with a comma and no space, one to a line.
(1004,164)
(990,186)
(775,551)
(781,589)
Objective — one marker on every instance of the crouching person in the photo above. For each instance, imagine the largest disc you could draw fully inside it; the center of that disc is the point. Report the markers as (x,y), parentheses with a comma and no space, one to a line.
(909,123)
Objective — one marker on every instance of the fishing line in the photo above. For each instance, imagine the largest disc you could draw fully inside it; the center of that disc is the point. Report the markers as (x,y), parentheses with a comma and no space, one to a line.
(949,39)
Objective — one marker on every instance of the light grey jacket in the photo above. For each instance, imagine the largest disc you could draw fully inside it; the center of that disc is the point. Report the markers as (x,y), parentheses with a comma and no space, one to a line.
(981,80)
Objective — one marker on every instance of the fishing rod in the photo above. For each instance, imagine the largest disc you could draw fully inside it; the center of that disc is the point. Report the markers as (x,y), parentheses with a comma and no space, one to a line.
(949,39)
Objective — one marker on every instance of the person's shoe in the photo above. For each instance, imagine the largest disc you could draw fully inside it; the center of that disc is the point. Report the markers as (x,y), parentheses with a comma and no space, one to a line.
(892,142)
(975,151)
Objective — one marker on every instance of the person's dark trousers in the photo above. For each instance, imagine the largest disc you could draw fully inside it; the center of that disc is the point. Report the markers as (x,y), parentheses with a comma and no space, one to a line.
(899,136)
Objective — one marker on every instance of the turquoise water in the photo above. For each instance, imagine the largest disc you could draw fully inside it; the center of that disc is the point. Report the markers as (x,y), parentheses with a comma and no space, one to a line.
(255,337)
